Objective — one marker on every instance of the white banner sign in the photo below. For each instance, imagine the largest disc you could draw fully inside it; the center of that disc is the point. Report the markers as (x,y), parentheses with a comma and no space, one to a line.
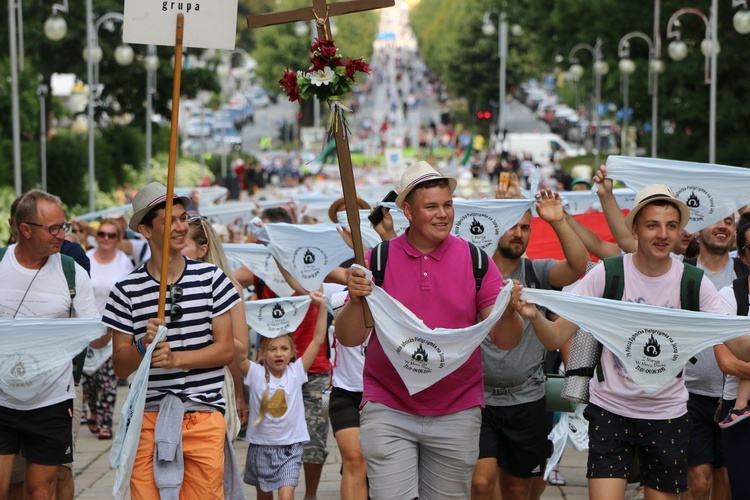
(209,24)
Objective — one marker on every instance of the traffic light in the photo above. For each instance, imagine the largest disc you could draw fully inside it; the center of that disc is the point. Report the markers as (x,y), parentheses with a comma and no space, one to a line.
(484,115)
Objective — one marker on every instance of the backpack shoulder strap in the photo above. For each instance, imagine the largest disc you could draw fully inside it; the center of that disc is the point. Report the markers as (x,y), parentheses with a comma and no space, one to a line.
(614,273)
(740,294)
(693,261)
(479,261)
(740,268)
(690,287)
(532,280)
(69,269)
(378,258)
(2,252)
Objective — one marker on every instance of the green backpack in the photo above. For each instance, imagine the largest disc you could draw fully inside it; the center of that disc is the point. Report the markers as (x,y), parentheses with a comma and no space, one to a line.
(69,269)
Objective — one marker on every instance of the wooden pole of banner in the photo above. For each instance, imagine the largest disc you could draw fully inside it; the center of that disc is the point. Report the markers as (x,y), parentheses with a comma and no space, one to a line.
(321,11)
(164,275)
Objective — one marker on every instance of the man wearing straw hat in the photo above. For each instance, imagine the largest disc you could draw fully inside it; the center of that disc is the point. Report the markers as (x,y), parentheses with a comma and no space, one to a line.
(425,445)
(623,418)
(188,364)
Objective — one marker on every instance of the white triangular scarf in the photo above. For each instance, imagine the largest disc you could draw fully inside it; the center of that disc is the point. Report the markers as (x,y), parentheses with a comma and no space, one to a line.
(125,443)
(259,260)
(308,253)
(400,222)
(258,229)
(274,317)
(579,202)
(227,213)
(712,192)
(483,222)
(653,343)
(32,350)
(370,237)
(423,356)
(572,430)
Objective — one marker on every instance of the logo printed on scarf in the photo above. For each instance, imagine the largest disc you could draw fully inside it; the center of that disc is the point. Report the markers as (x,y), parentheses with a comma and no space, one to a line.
(309,261)
(695,201)
(419,356)
(651,350)
(21,363)
(278,316)
(478,228)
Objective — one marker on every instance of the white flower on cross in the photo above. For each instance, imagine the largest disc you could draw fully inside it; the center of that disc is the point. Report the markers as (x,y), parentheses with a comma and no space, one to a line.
(322,77)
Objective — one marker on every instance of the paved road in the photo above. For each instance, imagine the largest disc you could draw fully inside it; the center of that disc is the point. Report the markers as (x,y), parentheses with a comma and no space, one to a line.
(94,478)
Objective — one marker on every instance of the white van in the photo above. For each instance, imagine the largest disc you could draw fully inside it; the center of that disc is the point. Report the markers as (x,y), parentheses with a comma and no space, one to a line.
(539,146)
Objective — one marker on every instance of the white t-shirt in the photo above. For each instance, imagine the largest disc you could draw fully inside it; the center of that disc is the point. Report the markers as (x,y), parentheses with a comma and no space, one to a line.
(285,429)
(47,296)
(104,276)
(618,393)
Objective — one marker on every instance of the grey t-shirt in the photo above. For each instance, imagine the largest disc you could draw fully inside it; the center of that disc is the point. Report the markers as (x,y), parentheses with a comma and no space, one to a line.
(705,377)
(509,369)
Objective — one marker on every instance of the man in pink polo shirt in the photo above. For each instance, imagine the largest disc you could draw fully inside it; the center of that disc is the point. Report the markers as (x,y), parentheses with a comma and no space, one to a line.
(425,445)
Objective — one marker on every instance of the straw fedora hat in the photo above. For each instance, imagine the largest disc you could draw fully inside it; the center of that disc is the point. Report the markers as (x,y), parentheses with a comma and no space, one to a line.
(656,192)
(416,174)
(149,196)
(362,204)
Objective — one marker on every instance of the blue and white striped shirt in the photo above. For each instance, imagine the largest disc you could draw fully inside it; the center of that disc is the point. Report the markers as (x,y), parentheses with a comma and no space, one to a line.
(206,294)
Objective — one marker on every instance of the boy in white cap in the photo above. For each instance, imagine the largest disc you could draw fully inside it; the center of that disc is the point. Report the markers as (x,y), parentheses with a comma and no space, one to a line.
(623,419)
(188,364)
(425,445)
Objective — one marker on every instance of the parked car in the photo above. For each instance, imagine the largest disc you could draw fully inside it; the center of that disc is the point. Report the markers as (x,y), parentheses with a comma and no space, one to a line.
(226,133)
(258,98)
(239,114)
(199,126)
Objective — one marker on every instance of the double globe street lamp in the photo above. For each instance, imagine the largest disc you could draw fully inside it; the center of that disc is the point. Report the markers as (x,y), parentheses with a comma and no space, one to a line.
(600,68)
(627,67)
(55,29)
(677,50)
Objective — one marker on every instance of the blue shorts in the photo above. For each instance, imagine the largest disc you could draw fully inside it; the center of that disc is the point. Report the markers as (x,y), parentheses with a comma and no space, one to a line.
(271,467)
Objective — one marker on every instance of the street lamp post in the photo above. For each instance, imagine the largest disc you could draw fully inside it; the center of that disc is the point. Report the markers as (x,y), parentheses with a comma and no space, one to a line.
(600,68)
(42,91)
(627,66)
(502,51)
(13,6)
(151,63)
(223,71)
(677,50)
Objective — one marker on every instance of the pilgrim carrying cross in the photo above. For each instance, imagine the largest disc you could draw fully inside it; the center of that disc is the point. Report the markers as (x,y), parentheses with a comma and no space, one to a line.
(320,11)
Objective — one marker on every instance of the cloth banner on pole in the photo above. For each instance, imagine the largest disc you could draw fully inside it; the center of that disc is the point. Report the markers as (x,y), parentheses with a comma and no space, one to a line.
(483,222)
(32,350)
(308,253)
(711,192)
(125,443)
(259,260)
(423,356)
(653,343)
(581,202)
(274,317)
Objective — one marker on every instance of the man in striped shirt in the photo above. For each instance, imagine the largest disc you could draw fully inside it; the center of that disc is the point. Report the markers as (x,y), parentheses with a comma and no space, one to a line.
(189,363)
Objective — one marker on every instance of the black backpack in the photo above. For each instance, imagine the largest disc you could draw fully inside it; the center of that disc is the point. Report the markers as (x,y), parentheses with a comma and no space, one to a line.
(379,257)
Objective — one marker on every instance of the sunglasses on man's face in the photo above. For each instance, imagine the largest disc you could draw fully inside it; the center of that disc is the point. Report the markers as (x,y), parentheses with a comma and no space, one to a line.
(106,236)
(175,295)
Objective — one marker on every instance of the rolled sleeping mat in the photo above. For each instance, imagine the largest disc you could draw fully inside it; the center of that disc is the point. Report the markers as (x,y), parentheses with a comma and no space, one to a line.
(585,351)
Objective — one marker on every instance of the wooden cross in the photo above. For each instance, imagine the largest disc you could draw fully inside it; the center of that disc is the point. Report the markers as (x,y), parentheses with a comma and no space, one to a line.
(321,11)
